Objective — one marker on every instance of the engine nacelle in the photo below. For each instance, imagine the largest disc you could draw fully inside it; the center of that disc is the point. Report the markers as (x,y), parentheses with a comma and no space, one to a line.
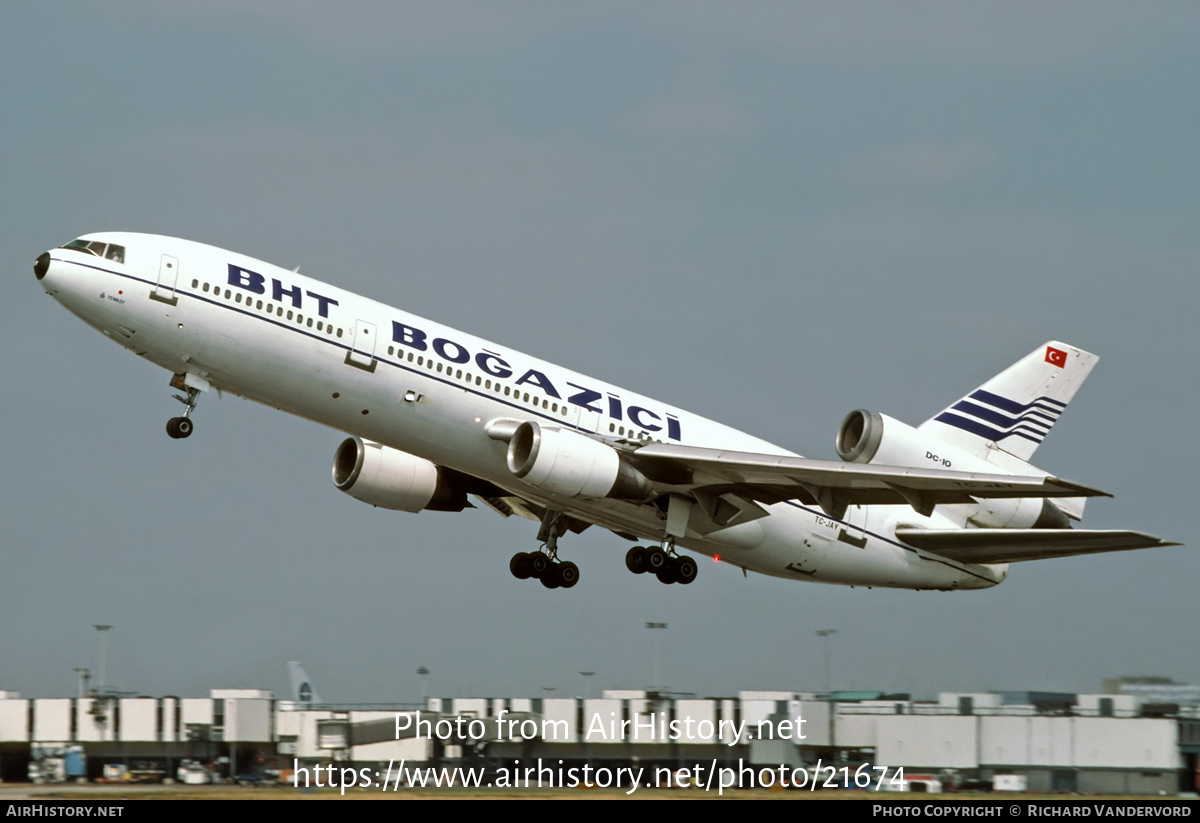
(871,437)
(567,463)
(393,479)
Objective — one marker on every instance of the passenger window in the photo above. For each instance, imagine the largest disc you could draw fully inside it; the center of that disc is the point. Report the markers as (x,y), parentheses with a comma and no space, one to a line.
(195,284)
(339,332)
(506,391)
(391,351)
(555,408)
(320,326)
(259,305)
(526,399)
(310,322)
(612,427)
(410,357)
(279,312)
(289,314)
(300,318)
(228,294)
(420,361)
(564,410)
(458,375)
(439,368)
(478,380)
(487,384)
(238,299)
(206,288)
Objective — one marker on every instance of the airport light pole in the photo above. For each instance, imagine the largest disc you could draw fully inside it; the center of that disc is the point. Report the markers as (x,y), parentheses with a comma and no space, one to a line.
(656,681)
(424,675)
(825,634)
(103,630)
(84,676)
(584,681)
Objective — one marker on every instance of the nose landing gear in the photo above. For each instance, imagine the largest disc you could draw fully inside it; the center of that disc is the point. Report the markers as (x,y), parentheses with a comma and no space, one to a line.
(181,427)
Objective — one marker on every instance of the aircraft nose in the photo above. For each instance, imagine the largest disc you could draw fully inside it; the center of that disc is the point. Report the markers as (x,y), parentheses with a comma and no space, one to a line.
(42,265)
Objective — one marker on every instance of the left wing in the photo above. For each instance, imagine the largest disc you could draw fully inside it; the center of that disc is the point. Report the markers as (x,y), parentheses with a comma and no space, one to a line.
(1014,545)
(769,478)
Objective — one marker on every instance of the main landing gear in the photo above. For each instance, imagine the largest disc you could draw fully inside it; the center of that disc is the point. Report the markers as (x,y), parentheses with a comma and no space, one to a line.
(181,427)
(663,563)
(553,573)
(546,566)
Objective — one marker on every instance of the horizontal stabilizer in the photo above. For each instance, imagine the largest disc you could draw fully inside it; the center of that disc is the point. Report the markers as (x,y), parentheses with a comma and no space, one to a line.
(1015,545)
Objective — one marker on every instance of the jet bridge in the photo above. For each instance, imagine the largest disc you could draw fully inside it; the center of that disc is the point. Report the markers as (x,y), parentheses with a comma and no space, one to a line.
(343,732)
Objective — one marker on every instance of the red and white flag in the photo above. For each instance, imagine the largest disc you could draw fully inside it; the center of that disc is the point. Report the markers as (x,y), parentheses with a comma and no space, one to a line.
(1056,357)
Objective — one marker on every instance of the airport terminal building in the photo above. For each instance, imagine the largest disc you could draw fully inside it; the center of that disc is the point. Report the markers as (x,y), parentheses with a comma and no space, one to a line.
(1087,743)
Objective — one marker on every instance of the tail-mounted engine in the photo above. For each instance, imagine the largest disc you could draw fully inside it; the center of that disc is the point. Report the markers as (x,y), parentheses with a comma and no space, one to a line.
(871,437)
(393,479)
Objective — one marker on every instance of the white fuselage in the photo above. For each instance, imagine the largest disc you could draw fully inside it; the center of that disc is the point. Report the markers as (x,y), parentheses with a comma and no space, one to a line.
(288,341)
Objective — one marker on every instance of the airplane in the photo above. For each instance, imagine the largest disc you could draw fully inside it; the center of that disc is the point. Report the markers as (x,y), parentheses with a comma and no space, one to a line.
(302,688)
(436,416)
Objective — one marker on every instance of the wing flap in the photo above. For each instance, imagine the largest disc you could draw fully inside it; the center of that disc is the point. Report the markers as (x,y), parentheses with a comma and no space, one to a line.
(1016,545)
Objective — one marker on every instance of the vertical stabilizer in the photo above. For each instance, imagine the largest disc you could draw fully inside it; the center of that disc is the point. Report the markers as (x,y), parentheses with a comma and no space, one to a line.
(302,690)
(1015,410)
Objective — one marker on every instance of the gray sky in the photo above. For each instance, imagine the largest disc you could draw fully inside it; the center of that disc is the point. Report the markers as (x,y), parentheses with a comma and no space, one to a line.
(767,213)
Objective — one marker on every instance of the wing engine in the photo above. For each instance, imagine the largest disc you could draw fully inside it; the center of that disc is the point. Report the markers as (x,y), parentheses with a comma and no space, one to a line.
(392,479)
(565,462)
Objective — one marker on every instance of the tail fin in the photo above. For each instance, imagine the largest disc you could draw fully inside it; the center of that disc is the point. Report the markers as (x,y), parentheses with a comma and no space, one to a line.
(302,690)
(1015,410)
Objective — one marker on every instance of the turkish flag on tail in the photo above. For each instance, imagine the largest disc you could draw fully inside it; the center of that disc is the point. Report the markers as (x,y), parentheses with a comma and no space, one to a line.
(1056,357)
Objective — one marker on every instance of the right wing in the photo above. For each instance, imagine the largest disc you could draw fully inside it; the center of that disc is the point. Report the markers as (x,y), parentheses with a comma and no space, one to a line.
(832,485)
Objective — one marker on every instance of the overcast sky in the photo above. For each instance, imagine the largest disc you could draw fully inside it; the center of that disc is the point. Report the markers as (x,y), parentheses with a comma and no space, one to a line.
(767,213)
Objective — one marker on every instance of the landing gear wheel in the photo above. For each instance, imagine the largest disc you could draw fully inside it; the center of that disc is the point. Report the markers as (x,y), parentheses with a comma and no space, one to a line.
(539,564)
(552,577)
(666,573)
(686,570)
(656,559)
(520,566)
(636,560)
(179,427)
(568,573)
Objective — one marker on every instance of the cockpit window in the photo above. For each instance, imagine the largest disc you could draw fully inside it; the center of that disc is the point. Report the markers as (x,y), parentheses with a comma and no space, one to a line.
(97,247)
(90,246)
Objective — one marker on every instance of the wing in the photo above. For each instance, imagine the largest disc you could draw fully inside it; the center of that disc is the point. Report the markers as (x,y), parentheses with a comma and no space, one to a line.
(1014,545)
(769,478)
